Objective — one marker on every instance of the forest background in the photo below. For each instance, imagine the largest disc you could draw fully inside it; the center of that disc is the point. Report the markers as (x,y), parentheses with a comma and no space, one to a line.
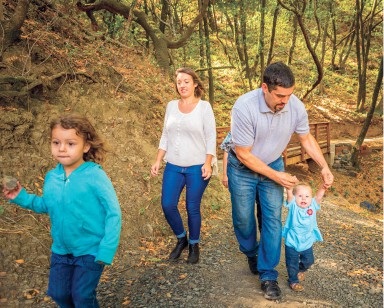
(115,60)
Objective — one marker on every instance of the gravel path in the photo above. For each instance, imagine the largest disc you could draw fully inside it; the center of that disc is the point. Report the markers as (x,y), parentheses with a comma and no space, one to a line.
(347,271)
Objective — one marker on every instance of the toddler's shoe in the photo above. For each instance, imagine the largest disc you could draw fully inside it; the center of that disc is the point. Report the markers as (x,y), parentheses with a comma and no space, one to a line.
(297,287)
(301,276)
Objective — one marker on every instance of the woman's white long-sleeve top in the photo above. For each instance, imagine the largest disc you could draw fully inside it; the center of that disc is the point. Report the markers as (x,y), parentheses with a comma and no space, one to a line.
(188,137)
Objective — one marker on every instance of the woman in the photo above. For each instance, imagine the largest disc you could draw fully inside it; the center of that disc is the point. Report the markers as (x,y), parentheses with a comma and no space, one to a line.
(188,145)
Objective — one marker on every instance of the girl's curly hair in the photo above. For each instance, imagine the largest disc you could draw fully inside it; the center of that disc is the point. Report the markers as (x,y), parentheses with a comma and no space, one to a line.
(85,129)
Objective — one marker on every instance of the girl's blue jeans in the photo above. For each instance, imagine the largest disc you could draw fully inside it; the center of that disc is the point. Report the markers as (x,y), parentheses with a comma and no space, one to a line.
(245,185)
(73,280)
(297,262)
(175,178)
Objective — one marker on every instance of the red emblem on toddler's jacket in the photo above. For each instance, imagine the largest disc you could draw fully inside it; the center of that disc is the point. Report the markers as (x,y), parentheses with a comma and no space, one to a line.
(309,212)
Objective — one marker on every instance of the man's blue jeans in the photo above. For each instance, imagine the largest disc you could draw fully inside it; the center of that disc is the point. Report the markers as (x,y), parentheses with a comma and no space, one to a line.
(244,184)
(297,262)
(175,178)
(73,280)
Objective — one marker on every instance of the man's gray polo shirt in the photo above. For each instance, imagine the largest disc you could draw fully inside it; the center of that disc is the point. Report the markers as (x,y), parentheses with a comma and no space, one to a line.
(254,124)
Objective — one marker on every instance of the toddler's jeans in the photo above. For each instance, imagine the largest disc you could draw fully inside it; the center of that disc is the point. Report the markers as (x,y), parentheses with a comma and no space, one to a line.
(297,262)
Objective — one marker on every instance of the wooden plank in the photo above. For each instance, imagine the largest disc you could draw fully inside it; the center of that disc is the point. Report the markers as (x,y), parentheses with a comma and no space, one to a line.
(221,133)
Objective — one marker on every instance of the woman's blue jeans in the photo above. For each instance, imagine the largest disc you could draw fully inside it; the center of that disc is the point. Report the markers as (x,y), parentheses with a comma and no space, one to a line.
(297,262)
(175,178)
(73,280)
(244,185)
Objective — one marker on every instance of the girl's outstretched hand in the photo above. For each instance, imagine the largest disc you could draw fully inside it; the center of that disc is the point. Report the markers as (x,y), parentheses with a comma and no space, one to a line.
(11,187)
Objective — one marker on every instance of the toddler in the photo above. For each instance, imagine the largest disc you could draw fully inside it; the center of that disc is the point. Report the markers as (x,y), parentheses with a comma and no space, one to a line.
(301,231)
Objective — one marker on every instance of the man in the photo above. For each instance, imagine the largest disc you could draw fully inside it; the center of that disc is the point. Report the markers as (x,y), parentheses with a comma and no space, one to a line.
(263,121)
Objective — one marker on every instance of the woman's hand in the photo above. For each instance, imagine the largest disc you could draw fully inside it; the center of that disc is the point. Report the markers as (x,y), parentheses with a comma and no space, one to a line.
(225,181)
(206,171)
(155,169)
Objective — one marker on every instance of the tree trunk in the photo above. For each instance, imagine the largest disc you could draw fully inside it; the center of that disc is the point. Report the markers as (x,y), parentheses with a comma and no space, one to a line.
(11,28)
(333,35)
(163,15)
(237,35)
(243,30)
(320,72)
(161,43)
(359,56)
(303,28)
(347,47)
(363,48)
(201,42)
(293,42)
(1,11)
(273,34)
(209,63)
(261,36)
(323,49)
(318,26)
(367,122)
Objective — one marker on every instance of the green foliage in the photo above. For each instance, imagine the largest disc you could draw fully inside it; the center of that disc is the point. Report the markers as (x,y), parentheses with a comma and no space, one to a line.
(114,23)
(225,15)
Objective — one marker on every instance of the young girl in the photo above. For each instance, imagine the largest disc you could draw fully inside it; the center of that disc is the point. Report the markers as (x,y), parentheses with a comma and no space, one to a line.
(301,231)
(83,208)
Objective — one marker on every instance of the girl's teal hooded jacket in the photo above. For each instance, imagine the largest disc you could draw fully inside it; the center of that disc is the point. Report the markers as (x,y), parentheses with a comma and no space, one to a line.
(84,211)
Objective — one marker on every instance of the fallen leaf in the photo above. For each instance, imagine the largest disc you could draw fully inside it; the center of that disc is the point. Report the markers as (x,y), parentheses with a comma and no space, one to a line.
(183,276)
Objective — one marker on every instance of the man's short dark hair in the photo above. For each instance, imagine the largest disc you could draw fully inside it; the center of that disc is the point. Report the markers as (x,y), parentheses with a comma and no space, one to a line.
(278,75)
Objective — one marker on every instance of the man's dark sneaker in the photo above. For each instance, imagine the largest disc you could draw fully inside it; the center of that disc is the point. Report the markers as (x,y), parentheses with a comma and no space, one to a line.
(252,262)
(271,289)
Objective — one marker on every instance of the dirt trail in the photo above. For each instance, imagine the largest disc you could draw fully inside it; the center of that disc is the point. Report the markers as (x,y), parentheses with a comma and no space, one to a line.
(347,271)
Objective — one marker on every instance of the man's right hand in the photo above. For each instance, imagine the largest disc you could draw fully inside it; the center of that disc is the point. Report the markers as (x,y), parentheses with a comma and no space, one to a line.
(286,180)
